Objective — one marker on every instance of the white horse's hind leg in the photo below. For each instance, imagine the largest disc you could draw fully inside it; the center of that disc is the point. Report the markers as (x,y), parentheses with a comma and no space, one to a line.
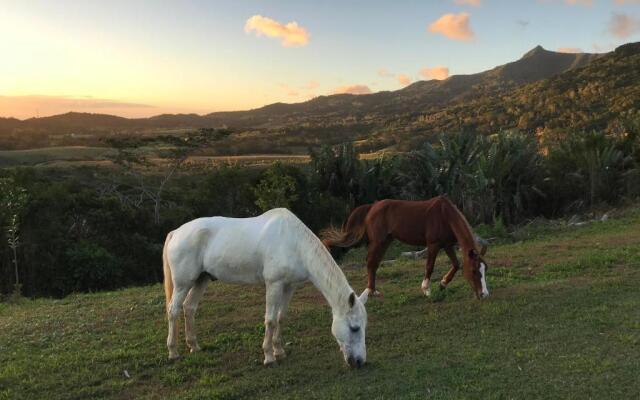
(278,349)
(273,301)
(179,294)
(190,306)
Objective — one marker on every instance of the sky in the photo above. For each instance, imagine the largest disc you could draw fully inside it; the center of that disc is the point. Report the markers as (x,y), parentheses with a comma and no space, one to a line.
(138,58)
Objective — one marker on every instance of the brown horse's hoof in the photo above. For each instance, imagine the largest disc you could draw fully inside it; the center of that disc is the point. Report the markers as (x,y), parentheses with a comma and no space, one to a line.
(442,285)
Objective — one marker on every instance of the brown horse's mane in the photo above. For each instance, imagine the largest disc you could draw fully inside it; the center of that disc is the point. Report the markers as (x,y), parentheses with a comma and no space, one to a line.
(459,225)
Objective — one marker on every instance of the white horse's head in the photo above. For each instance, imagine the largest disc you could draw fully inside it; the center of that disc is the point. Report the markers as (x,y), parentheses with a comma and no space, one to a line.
(349,330)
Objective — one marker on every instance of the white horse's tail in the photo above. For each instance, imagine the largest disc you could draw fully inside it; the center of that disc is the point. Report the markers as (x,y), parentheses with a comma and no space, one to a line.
(168,282)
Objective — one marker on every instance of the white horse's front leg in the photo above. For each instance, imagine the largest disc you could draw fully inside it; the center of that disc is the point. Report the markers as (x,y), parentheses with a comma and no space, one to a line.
(278,349)
(273,300)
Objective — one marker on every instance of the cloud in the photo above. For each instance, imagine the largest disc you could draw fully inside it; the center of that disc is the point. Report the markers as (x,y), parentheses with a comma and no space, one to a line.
(383,73)
(39,105)
(569,50)
(312,85)
(439,73)
(292,34)
(352,89)
(622,26)
(475,3)
(623,2)
(586,3)
(453,26)
(404,79)
(523,23)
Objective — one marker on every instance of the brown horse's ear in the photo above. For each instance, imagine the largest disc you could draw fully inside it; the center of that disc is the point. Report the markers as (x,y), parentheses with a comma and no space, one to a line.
(352,299)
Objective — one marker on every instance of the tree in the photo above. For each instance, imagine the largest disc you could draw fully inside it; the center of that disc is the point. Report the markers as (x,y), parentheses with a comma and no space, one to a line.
(276,189)
(174,150)
(13,200)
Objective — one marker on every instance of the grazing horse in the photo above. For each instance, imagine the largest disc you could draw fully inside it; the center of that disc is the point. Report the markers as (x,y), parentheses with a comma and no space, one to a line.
(436,223)
(275,249)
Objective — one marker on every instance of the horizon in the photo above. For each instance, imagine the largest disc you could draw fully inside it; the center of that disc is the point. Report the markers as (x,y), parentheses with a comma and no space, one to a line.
(282,52)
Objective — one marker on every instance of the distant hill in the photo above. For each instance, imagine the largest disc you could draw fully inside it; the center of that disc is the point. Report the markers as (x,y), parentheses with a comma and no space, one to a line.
(541,89)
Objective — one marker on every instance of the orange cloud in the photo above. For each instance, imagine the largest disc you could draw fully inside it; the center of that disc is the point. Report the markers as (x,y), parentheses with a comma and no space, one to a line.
(291,33)
(383,73)
(438,73)
(352,89)
(475,3)
(453,26)
(623,26)
(570,50)
(312,85)
(622,2)
(404,79)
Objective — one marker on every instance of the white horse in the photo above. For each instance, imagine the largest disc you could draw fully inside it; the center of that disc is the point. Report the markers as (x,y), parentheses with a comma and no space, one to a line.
(276,249)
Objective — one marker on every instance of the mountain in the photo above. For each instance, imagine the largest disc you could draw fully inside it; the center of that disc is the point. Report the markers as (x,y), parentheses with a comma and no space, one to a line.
(538,90)
(536,64)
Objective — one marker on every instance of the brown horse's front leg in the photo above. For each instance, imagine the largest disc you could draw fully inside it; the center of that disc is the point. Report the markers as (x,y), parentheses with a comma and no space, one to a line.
(432,254)
(455,265)
(374,256)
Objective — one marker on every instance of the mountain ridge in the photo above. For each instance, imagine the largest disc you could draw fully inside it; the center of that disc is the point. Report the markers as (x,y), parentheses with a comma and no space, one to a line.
(443,88)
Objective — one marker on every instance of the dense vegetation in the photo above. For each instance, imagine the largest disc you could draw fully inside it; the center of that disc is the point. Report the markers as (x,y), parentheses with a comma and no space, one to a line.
(93,228)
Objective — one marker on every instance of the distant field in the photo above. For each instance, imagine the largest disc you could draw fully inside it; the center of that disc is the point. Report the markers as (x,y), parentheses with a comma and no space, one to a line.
(562,321)
(79,155)
(52,154)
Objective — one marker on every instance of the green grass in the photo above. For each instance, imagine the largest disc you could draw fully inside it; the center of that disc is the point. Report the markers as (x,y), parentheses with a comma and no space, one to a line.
(563,321)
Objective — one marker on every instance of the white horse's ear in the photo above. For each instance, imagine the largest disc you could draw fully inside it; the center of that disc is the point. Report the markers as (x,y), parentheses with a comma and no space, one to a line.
(364,296)
(352,299)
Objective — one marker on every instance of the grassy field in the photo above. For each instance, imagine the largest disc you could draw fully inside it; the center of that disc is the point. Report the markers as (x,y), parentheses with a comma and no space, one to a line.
(49,155)
(563,321)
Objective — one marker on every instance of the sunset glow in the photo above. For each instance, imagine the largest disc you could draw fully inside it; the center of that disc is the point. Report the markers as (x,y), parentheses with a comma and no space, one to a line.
(144,58)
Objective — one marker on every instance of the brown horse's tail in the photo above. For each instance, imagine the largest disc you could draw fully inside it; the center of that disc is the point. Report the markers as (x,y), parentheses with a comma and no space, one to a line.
(352,233)
(168,282)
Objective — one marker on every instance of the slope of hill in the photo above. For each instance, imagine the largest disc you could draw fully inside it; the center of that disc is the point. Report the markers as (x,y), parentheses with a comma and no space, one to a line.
(561,322)
(600,95)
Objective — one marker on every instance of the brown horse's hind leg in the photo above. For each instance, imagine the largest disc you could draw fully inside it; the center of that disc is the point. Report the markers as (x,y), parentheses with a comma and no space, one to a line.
(374,256)
(432,253)
(455,265)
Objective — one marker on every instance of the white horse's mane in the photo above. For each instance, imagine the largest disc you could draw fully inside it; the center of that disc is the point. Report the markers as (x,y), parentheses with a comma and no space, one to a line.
(322,267)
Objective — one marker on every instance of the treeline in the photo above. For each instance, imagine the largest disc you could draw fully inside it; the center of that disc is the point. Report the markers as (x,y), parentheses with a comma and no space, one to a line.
(88,229)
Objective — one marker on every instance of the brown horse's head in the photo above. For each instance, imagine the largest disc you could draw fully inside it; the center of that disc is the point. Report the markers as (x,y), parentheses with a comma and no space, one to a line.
(475,271)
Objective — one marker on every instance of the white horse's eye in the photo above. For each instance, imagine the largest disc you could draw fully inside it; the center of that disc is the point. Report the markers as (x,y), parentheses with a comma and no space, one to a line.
(354,329)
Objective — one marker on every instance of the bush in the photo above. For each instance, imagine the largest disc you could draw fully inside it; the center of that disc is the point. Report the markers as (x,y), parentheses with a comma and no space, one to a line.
(91,267)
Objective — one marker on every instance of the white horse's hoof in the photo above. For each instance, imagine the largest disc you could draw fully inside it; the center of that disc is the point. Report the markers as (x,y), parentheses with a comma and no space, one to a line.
(173,356)
(280,355)
(270,362)
(195,349)
(427,292)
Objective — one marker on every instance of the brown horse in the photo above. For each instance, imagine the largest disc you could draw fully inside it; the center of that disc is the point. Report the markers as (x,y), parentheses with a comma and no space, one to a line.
(436,223)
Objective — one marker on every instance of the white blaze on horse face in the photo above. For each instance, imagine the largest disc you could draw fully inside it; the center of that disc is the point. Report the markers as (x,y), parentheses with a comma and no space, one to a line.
(485,291)
(349,331)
